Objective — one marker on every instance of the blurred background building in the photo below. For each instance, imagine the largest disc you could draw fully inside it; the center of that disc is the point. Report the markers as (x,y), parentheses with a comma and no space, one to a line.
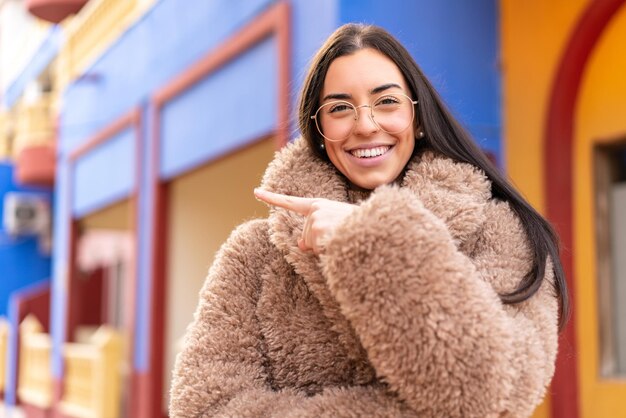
(132,133)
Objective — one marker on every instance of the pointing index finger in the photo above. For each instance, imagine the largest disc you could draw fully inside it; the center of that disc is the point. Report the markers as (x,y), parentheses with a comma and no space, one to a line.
(301,205)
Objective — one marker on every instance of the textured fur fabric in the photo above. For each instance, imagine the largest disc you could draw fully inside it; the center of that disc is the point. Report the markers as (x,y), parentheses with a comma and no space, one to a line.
(400,317)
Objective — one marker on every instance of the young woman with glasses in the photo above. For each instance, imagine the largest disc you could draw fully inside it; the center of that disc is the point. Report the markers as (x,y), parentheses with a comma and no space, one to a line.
(398,274)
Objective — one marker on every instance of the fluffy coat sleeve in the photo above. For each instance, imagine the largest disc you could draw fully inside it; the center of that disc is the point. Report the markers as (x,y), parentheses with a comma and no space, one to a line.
(429,316)
(221,371)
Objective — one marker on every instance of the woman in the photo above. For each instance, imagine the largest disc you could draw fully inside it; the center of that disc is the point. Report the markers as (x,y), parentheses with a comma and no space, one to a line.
(398,273)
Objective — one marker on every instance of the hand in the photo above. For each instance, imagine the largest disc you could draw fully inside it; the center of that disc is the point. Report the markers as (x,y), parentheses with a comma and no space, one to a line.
(322,216)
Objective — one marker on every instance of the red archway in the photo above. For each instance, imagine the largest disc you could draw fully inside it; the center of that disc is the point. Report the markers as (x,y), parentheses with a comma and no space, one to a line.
(558,140)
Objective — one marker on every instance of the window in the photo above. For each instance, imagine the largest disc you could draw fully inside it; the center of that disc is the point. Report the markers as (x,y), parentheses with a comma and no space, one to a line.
(610,176)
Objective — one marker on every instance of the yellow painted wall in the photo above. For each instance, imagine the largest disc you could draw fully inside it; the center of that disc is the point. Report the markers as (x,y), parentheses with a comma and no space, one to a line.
(205,206)
(116,216)
(600,118)
(533,34)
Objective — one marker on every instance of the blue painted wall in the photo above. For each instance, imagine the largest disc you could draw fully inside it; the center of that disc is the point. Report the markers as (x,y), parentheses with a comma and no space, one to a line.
(60,267)
(221,112)
(455,42)
(167,40)
(21,262)
(104,175)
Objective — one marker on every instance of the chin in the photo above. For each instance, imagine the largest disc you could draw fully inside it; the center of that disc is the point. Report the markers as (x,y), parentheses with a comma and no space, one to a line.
(371,184)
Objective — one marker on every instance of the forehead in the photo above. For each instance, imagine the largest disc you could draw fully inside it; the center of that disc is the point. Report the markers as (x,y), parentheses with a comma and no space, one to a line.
(360,72)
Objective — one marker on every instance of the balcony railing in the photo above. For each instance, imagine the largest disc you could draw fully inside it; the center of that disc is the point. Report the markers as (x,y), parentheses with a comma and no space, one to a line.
(33,124)
(92,383)
(4,337)
(32,146)
(6,136)
(35,378)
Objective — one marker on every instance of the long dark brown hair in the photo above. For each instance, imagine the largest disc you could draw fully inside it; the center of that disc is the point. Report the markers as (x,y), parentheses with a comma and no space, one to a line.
(445,136)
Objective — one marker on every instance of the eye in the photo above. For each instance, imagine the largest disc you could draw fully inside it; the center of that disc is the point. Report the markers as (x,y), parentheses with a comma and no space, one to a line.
(387,101)
(340,107)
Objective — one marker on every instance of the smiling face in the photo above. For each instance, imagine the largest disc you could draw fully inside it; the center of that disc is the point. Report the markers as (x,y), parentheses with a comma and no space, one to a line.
(368,156)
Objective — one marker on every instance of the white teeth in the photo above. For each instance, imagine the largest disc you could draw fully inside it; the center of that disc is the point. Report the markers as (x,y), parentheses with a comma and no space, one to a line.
(369,153)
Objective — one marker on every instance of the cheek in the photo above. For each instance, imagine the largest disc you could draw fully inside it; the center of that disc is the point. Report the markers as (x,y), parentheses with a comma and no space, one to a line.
(409,143)
(333,153)
(405,153)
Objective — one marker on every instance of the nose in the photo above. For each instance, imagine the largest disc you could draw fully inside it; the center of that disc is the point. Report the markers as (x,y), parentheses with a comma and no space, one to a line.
(365,123)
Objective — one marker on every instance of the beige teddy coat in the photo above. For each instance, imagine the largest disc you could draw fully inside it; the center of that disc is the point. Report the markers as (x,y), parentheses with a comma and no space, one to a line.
(400,317)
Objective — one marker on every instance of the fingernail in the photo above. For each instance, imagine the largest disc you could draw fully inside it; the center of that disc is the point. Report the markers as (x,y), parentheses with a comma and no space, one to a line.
(260,195)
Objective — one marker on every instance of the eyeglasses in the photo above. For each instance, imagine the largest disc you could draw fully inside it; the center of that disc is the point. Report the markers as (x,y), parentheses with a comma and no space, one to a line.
(392,113)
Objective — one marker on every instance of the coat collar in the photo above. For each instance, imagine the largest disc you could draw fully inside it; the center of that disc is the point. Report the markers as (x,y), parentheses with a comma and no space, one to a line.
(455,192)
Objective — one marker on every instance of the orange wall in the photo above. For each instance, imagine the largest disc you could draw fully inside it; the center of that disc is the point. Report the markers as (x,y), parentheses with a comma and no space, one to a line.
(600,118)
(533,37)
(533,34)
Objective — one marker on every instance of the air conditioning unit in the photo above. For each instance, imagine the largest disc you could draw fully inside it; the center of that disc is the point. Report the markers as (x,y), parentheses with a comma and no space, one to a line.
(26,214)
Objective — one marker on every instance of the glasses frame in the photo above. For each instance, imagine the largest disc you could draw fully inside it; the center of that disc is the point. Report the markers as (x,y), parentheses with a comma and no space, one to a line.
(356,108)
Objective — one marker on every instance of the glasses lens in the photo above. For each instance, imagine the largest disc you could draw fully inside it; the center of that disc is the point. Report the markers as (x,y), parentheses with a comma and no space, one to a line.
(393,112)
(335,120)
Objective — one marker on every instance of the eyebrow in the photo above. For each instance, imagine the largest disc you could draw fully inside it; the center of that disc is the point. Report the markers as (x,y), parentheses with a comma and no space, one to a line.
(384,87)
(375,90)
